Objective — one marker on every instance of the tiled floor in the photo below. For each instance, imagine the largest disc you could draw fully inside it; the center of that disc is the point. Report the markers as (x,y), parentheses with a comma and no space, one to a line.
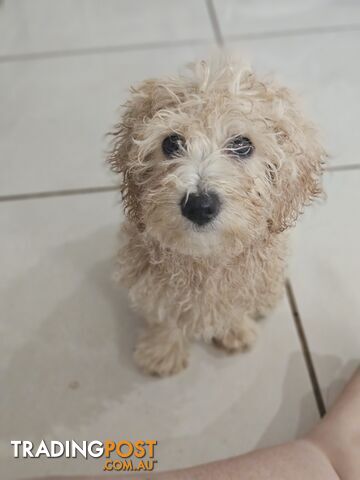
(66,331)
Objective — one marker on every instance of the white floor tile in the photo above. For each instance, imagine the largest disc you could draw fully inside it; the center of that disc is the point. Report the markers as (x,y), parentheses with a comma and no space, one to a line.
(323,70)
(55,114)
(67,335)
(28,26)
(325,278)
(238,17)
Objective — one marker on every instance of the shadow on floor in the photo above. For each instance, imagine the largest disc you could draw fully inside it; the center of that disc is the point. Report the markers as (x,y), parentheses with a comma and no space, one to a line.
(75,354)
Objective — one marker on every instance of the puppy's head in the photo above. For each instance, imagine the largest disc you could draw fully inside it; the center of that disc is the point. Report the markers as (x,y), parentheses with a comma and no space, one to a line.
(215,161)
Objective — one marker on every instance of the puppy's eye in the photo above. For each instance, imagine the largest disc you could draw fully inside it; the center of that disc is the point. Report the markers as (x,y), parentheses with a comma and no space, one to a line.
(172,145)
(241,147)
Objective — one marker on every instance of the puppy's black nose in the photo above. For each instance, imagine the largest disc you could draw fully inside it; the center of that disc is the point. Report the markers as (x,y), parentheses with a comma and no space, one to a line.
(201,207)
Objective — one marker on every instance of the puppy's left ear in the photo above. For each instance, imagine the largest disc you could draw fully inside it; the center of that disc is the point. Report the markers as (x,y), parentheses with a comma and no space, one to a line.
(146,99)
(296,175)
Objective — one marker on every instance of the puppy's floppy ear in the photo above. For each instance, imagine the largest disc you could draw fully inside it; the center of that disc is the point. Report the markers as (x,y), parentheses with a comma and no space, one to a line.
(296,179)
(146,99)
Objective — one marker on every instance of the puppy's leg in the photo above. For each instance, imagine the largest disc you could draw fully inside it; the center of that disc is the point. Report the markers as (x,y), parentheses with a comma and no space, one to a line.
(162,350)
(240,336)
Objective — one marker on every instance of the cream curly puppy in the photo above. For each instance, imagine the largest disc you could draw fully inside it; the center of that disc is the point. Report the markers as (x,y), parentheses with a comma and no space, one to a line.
(215,167)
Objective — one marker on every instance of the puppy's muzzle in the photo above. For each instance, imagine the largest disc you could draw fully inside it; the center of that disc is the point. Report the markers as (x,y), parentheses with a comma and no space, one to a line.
(200,208)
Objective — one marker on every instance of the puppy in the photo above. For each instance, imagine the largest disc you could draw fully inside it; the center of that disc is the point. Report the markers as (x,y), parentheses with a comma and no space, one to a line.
(215,167)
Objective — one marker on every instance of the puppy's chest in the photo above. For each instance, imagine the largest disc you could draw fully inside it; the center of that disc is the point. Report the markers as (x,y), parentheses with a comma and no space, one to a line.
(188,282)
(161,278)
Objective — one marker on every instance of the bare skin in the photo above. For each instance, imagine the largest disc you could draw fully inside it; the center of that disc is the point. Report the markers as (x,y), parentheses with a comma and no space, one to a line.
(338,434)
(331,451)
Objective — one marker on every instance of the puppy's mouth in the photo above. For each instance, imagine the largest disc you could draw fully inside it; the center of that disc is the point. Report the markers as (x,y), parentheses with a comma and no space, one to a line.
(200,208)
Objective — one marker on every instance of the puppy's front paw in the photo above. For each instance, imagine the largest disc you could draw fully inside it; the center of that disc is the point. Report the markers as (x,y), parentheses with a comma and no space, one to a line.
(239,338)
(160,358)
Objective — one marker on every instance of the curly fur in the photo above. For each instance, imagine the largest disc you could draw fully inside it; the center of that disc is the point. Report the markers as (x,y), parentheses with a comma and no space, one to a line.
(211,282)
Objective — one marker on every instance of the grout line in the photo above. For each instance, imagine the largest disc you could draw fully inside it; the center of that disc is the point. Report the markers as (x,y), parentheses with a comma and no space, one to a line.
(339,168)
(110,188)
(295,32)
(99,50)
(305,348)
(17,57)
(57,193)
(215,23)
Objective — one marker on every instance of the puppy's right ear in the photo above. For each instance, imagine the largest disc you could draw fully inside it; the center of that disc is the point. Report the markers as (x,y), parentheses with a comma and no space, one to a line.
(146,99)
